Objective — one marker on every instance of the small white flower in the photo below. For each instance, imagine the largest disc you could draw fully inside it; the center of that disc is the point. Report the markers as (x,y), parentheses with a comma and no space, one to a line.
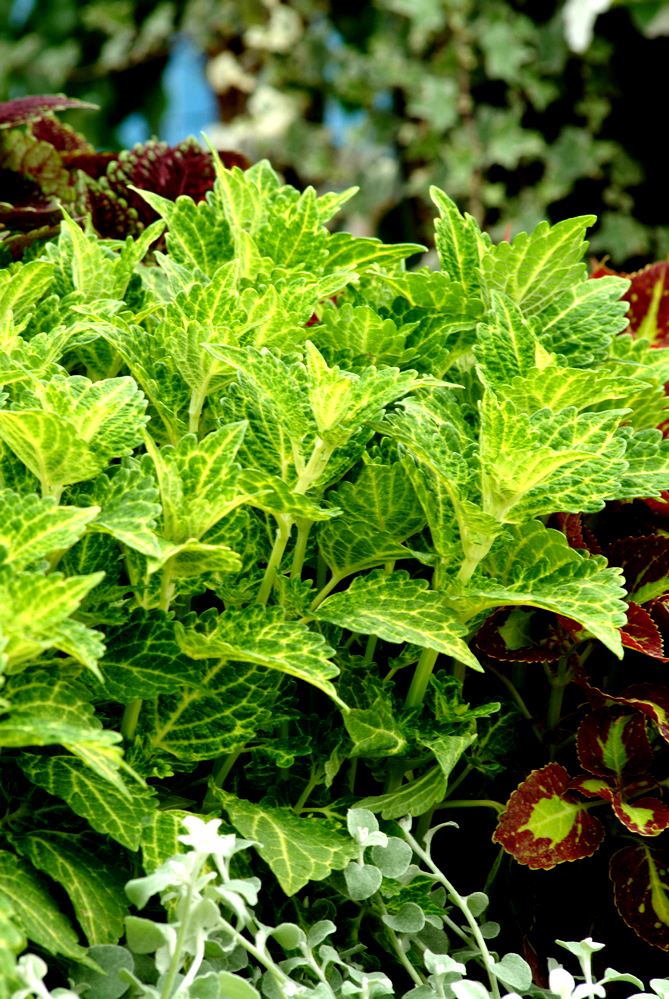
(562,984)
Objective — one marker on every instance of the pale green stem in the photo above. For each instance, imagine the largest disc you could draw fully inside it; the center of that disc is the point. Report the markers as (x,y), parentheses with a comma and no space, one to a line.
(176,956)
(458,670)
(224,765)
(322,594)
(370,648)
(130,719)
(467,569)
(462,905)
(167,586)
(314,781)
(284,527)
(55,491)
(558,686)
(279,976)
(459,779)
(195,409)
(303,527)
(399,950)
(421,678)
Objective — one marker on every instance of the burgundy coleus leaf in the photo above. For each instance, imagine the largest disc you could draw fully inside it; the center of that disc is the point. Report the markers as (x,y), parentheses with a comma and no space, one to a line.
(22,110)
(505,635)
(615,745)
(62,137)
(659,505)
(544,824)
(644,816)
(640,879)
(641,633)
(576,532)
(648,297)
(645,564)
(651,699)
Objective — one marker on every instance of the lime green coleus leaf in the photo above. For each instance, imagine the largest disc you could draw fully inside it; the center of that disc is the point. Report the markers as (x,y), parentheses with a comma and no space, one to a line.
(127,501)
(353,545)
(201,724)
(22,285)
(384,497)
(374,730)
(34,616)
(363,336)
(69,429)
(647,458)
(536,567)
(358,253)
(36,912)
(198,481)
(413,798)
(199,236)
(399,609)
(121,816)
(459,242)
(535,270)
(297,850)
(260,635)
(48,711)
(342,401)
(269,493)
(582,324)
(31,527)
(160,838)
(95,887)
(531,466)
(143,659)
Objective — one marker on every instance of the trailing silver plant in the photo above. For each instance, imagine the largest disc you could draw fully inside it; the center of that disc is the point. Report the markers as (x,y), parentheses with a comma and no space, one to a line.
(213,946)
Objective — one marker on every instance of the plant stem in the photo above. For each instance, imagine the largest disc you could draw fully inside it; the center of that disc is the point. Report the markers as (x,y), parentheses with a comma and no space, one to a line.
(513,690)
(284,527)
(166,586)
(370,648)
(421,678)
(322,593)
(181,936)
(399,950)
(462,905)
(224,765)
(303,527)
(130,719)
(314,781)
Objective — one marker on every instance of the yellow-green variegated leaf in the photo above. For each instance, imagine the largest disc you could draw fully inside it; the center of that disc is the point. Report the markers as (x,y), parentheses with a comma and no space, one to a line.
(413,798)
(351,546)
(73,427)
(93,882)
(232,704)
(399,609)
(260,635)
(160,838)
(536,567)
(358,253)
(34,612)
(31,528)
(22,285)
(198,481)
(106,810)
(459,242)
(46,710)
(297,850)
(384,497)
(342,401)
(532,466)
(534,270)
(36,912)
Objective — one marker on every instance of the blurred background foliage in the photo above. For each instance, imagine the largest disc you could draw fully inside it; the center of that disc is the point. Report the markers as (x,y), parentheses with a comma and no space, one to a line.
(484,98)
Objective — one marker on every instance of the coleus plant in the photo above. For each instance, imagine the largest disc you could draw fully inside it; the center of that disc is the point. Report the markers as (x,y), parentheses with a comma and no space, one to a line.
(47,165)
(227,528)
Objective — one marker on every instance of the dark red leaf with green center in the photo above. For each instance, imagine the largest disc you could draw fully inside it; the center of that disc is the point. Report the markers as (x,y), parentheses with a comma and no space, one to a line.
(640,879)
(544,824)
(504,636)
(645,816)
(22,110)
(652,700)
(591,787)
(648,297)
(659,504)
(641,633)
(612,744)
(92,164)
(643,561)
